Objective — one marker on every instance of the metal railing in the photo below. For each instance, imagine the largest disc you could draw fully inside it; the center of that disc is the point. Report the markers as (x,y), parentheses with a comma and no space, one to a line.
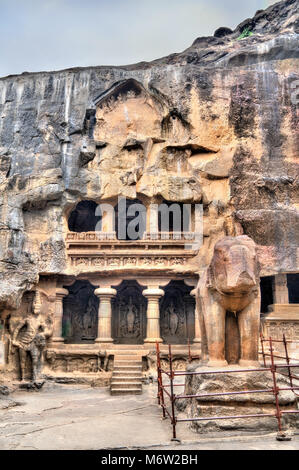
(166,391)
(290,375)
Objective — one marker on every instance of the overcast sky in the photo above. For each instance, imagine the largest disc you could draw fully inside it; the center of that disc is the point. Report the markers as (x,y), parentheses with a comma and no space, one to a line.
(40,35)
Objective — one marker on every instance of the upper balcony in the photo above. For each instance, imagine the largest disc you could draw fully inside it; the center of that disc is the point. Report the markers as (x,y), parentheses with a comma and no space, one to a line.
(107,248)
(154,249)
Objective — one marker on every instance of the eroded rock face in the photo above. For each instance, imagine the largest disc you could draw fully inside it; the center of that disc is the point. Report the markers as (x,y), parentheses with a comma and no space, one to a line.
(217,123)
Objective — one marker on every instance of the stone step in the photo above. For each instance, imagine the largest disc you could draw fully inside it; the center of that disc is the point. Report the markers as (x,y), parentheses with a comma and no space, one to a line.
(127,363)
(121,379)
(128,352)
(126,385)
(128,368)
(127,373)
(126,391)
(127,357)
(126,346)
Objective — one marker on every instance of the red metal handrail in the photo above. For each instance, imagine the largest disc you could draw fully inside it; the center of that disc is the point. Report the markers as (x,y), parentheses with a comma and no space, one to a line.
(273,368)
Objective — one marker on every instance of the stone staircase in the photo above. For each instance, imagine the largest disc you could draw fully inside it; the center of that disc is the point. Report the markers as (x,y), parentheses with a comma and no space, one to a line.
(127,373)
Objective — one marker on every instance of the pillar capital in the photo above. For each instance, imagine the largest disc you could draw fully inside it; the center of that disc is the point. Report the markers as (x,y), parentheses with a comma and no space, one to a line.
(153,292)
(105,292)
(61,292)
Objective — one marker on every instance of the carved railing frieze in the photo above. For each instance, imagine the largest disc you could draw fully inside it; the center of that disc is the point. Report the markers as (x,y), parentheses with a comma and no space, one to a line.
(125,261)
(103,249)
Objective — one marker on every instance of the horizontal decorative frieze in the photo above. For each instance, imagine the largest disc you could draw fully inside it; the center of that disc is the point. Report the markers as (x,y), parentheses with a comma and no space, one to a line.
(127,261)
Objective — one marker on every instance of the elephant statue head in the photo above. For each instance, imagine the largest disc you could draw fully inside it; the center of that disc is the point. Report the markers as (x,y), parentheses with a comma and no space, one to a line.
(233,269)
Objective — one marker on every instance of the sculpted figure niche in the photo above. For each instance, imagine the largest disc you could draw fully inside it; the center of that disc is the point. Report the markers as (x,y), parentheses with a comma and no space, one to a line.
(173,319)
(230,304)
(177,314)
(80,313)
(129,314)
(29,338)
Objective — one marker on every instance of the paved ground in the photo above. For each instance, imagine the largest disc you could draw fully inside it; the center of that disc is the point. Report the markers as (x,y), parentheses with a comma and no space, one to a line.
(80,417)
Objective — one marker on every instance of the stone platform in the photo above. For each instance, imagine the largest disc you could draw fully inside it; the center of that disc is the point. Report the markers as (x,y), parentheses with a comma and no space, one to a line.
(236,405)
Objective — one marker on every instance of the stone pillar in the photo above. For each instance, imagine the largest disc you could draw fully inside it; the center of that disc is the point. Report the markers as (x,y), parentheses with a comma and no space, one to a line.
(105,295)
(108,218)
(152,219)
(281,293)
(197,337)
(153,315)
(58,314)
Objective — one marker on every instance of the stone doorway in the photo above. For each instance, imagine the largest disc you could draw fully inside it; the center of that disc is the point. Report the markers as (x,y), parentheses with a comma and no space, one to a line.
(129,314)
(80,313)
(177,318)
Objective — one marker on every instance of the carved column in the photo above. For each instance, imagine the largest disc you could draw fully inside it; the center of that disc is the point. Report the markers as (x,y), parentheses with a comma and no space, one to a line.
(281,292)
(108,218)
(58,314)
(153,315)
(197,337)
(105,295)
(152,219)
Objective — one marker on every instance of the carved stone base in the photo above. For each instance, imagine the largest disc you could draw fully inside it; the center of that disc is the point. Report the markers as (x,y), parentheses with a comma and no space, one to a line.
(72,360)
(36,385)
(236,405)
(283,319)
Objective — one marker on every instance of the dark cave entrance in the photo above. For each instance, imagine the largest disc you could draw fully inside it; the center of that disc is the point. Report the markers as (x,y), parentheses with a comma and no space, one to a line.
(130,219)
(83,218)
(267,296)
(173,217)
(293,287)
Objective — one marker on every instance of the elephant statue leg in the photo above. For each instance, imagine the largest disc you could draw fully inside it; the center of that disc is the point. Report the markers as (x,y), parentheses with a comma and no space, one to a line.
(249,322)
(204,342)
(215,329)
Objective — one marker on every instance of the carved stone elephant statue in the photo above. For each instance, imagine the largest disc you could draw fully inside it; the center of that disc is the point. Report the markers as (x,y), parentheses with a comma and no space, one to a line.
(229,301)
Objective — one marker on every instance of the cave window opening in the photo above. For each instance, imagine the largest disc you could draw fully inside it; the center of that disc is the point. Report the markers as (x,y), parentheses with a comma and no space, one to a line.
(266,285)
(293,287)
(174,217)
(83,218)
(130,219)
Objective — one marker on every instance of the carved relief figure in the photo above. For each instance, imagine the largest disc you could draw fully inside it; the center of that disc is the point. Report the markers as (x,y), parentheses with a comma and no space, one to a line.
(128,314)
(131,314)
(177,314)
(80,313)
(129,318)
(173,319)
(29,337)
(89,320)
(230,303)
